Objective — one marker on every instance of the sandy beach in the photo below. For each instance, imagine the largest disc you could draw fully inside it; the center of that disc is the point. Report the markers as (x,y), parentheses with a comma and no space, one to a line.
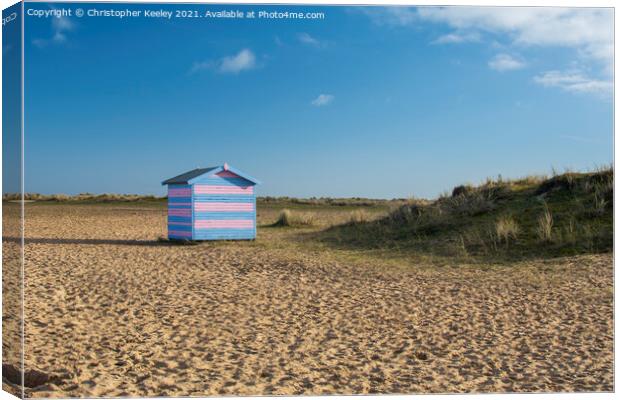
(111,311)
(205,199)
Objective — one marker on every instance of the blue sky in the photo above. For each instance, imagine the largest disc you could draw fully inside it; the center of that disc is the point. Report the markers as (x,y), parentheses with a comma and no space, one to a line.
(372,102)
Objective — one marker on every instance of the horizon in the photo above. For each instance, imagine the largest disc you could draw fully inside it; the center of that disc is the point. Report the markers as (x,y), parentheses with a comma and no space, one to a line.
(447,192)
(376,102)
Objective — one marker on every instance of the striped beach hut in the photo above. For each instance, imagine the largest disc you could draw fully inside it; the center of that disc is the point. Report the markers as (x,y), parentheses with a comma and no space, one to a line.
(212,204)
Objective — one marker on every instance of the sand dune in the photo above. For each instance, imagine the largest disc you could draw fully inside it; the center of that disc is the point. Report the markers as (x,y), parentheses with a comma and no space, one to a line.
(112,312)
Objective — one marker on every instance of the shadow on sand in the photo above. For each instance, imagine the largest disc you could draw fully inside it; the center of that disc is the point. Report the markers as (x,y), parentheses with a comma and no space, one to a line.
(118,242)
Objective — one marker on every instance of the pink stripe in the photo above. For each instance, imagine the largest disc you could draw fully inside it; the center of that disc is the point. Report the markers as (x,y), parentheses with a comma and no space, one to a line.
(226,174)
(180,213)
(224,206)
(215,189)
(179,192)
(224,223)
(179,204)
(179,223)
(179,233)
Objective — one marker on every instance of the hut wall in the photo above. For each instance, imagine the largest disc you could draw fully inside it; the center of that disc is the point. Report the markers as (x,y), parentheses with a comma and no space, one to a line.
(224,207)
(180,212)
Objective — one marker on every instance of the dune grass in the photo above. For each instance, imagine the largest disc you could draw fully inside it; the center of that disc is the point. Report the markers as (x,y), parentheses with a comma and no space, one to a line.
(545,225)
(565,214)
(288,218)
(506,229)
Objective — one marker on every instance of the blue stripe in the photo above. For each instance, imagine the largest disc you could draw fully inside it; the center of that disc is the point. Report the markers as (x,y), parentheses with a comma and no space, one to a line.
(172,200)
(173,236)
(183,228)
(172,219)
(213,234)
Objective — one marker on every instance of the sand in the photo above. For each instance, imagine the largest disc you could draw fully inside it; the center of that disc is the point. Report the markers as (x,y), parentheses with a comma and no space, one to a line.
(111,311)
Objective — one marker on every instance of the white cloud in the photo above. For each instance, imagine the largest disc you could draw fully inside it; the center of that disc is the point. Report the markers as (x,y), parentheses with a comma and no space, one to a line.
(305,38)
(60,27)
(505,62)
(589,30)
(393,15)
(323,100)
(242,61)
(574,81)
(62,24)
(456,37)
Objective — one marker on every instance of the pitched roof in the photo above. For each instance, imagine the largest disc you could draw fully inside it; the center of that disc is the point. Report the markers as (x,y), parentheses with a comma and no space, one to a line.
(187,177)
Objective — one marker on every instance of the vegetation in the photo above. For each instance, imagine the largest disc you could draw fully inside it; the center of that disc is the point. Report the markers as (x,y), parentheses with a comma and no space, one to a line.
(287,218)
(506,229)
(565,214)
(329,201)
(82,197)
(545,225)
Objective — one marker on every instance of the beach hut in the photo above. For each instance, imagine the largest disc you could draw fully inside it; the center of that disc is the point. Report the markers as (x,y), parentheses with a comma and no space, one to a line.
(214,203)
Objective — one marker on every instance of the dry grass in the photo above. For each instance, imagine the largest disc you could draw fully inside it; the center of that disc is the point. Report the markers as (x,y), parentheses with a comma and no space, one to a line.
(569,232)
(469,203)
(506,229)
(288,218)
(330,201)
(600,203)
(359,216)
(545,225)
